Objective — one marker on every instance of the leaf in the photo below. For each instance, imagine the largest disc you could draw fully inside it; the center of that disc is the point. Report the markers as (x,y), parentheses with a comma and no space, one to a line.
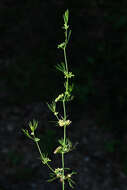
(45,158)
(27,134)
(52,106)
(73,173)
(70,181)
(62,45)
(33,125)
(71,87)
(66,16)
(67,168)
(61,67)
(69,35)
(52,179)
(36,139)
(61,141)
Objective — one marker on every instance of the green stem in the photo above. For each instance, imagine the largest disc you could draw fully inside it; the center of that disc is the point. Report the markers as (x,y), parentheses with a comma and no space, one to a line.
(63,171)
(65,57)
(50,167)
(64,108)
(42,156)
(57,117)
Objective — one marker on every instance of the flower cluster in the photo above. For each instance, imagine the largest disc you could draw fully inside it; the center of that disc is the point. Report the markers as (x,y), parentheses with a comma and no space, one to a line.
(65,146)
(68,74)
(59,172)
(62,122)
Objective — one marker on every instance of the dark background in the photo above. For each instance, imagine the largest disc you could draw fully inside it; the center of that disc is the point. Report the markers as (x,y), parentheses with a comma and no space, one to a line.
(29,34)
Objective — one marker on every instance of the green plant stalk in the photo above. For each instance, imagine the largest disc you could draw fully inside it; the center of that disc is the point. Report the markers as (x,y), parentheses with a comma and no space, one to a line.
(42,155)
(63,171)
(64,104)
(65,57)
(64,108)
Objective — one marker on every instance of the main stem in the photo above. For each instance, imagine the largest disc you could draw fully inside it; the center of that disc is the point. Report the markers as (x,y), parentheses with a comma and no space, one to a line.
(65,58)
(63,171)
(64,109)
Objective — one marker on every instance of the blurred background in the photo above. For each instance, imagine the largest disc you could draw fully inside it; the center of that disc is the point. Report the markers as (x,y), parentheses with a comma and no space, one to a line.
(29,34)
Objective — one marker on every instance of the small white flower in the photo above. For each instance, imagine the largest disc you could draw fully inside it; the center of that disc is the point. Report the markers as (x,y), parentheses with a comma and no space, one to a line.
(68,74)
(55,113)
(63,123)
(67,122)
(59,172)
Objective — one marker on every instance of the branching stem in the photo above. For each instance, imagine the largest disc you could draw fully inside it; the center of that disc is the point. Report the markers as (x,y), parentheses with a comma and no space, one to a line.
(42,156)
(65,116)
